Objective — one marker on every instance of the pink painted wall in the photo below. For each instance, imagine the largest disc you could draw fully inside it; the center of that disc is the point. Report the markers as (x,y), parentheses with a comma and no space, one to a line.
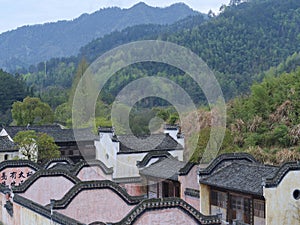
(165,217)
(92,173)
(2,202)
(193,201)
(15,175)
(97,205)
(22,215)
(135,189)
(46,188)
(5,217)
(190,181)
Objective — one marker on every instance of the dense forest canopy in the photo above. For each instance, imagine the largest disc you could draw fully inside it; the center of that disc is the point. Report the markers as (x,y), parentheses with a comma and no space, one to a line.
(12,88)
(239,44)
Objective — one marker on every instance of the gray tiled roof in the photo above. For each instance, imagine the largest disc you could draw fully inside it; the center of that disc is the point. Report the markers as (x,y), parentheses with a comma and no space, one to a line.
(55,131)
(241,177)
(164,168)
(7,145)
(157,142)
(13,130)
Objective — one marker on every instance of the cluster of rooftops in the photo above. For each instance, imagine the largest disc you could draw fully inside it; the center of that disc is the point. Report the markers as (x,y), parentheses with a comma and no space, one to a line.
(64,167)
(236,172)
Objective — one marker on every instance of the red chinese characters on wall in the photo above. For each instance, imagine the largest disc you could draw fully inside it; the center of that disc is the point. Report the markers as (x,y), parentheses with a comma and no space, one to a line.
(15,176)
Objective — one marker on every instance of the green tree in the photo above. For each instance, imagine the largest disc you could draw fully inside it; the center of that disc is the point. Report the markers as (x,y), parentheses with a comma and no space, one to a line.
(63,114)
(47,148)
(26,141)
(32,111)
(36,146)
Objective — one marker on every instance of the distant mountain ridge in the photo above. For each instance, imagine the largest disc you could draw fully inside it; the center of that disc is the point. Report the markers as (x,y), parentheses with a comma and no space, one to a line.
(239,44)
(32,44)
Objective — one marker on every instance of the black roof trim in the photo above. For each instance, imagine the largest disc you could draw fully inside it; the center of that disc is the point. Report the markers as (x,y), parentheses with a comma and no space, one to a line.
(226,157)
(19,163)
(4,189)
(127,180)
(280,174)
(92,185)
(171,127)
(45,211)
(151,155)
(47,163)
(44,173)
(148,151)
(97,223)
(107,129)
(187,168)
(192,192)
(156,204)
(89,163)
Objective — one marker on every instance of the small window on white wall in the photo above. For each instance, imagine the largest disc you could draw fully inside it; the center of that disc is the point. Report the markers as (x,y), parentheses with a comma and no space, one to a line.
(296,194)
(259,208)
(5,157)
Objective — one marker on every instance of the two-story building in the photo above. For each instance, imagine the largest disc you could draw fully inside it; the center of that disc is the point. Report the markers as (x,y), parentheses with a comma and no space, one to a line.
(243,190)
(123,153)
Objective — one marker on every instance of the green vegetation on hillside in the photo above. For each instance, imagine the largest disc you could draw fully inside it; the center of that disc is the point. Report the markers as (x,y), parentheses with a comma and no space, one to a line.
(12,88)
(239,44)
(268,121)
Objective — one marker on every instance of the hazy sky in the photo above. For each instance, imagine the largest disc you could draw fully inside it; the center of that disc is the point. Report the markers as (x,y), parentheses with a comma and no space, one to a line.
(16,13)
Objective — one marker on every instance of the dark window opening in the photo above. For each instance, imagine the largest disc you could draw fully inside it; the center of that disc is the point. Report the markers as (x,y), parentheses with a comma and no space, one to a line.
(219,199)
(296,194)
(259,208)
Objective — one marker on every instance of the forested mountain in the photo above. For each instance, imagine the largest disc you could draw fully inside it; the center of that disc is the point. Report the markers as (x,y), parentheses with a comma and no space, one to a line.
(58,73)
(246,38)
(32,44)
(239,44)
